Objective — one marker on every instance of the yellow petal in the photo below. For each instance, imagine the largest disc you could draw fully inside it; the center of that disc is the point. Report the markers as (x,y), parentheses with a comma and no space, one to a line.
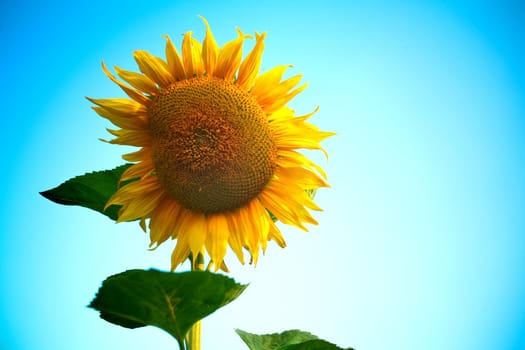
(274,203)
(136,171)
(126,122)
(196,54)
(142,154)
(283,114)
(280,101)
(291,158)
(229,58)
(301,140)
(131,137)
(294,133)
(137,204)
(253,221)
(134,94)
(191,233)
(297,196)
(250,66)
(217,238)
(140,208)
(276,235)
(195,226)
(175,66)
(235,238)
(209,50)
(181,251)
(192,56)
(131,190)
(262,219)
(268,80)
(120,106)
(277,89)
(153,67)
(262,222)
(162,221)
(272,94)
(137,80)
(305,178)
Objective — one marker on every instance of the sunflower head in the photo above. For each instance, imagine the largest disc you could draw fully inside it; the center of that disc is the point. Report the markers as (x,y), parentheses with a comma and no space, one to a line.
(218,149)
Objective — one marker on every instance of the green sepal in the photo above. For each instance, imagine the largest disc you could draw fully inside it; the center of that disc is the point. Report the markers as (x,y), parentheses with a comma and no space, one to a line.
(170,301)
(287,340)
(91,190)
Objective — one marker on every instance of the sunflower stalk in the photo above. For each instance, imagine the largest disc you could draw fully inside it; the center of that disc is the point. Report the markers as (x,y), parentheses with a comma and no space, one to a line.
(194,335)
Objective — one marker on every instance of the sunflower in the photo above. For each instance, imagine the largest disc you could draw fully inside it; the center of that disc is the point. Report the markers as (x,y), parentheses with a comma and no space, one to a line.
(218,152)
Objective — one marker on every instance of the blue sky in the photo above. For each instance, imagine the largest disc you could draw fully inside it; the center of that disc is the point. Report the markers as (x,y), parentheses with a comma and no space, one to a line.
(421,244)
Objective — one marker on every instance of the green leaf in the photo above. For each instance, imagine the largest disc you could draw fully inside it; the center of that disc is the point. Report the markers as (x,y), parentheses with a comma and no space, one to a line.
(170,301)
(288,340)
(91,190)
(275,340)
(313,345)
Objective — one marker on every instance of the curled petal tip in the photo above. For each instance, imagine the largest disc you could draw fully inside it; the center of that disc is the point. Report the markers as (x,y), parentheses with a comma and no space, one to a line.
(203,20)
(242,35)
(259,36)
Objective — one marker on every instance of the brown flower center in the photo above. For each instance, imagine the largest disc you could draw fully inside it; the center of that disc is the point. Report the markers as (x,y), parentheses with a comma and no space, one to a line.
(212,147)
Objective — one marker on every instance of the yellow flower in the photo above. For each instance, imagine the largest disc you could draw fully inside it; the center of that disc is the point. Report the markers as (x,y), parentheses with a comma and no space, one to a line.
(218,149)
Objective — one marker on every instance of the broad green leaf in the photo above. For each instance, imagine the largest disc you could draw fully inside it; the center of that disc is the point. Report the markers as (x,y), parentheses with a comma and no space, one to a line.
(274,341)
(288,340)
(91,190)
(170,301)
(317,344)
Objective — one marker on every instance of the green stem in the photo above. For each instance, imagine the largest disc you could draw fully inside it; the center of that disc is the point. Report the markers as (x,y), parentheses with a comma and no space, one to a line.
(194,335)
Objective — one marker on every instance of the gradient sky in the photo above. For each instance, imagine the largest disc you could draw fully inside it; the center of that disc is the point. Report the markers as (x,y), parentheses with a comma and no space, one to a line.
(421,244)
